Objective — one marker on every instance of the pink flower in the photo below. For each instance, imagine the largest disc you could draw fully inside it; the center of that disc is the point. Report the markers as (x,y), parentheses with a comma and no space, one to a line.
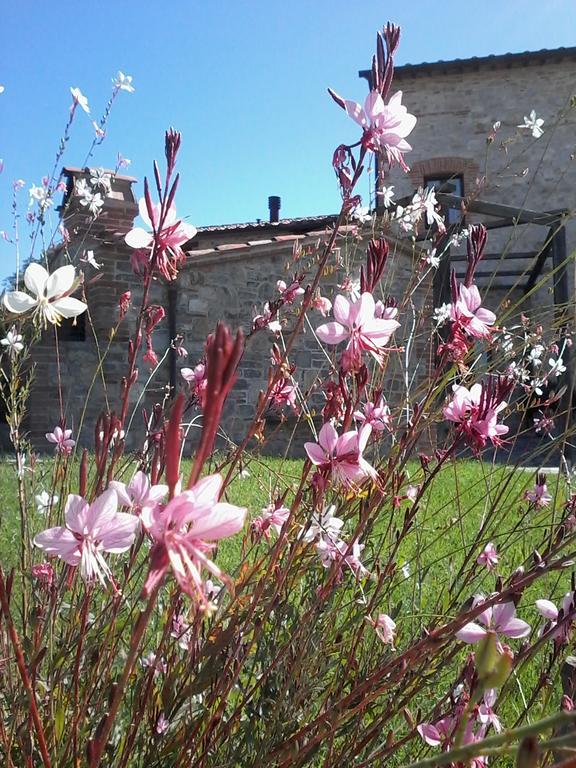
(124,303)
(196,377)
(284,393)
(331,551)
(439,733)
(158,666)
(476,411)
(268,319)
(356,322)
(140,496)
(44,573)
(488,557)
(162,724)
(500,619)
(539,495)
(273,516)
(385,125)
(90,530)
(289,292)
(322,304)
(486,714)
(62,438)
(549,611)
(166,243)
(341,456)
(185,531)
(472,316)
(412,492)
(385,628)
(375,414)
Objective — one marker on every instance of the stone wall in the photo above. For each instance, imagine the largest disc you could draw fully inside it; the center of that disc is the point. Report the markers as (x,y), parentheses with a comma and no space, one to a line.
(457,104)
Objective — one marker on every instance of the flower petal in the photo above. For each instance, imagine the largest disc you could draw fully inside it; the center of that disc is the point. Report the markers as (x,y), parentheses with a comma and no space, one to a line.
(328,437)
(35,279)
(471,633)
(341,310)
(68,306)
(60,281)
(547,609)
(224,520)
(316,454)
(76,512)
(516,628)
(18,302)
(332,333)
(355,111)
(430,734)
(138,238)
(61,542)
(119,535)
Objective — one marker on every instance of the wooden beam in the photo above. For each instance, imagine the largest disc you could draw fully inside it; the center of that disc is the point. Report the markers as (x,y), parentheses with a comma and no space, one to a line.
(499,256)
(536,270)
(564,316)
(519,215)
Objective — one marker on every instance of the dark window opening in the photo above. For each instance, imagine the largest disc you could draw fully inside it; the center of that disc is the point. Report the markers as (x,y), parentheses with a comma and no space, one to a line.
(73,329)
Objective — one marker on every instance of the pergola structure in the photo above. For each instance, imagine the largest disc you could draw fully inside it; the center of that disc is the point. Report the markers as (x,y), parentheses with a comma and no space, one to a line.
(499,216)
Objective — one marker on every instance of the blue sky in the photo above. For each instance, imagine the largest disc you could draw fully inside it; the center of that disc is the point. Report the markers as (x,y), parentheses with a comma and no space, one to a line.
(243,80)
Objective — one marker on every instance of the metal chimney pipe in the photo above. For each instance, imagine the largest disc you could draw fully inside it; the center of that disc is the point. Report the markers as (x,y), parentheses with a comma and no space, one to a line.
(274,208)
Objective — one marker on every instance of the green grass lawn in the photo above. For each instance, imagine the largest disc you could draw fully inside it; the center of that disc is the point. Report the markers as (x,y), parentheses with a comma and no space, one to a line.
(469,504)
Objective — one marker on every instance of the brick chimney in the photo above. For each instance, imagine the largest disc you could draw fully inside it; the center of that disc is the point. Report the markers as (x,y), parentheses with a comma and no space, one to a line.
(116,216)
(104,235)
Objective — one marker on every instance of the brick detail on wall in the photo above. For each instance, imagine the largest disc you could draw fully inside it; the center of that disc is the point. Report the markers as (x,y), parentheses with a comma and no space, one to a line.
(445,166)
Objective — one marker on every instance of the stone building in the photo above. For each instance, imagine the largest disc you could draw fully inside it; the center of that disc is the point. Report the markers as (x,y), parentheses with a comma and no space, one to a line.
(232,269)
(230,273)
(468,136)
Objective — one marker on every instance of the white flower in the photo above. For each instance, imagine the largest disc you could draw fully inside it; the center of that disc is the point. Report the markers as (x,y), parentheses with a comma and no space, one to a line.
(406,570)
(535,354)
(442,314)
(83,188)
(92,200)
(12,342)
(426,199)
(51,301)
(88,258)
(557,367)
(324,525)
(433,259)
(44,501)
(2,89)
(506,344)
(123,82)
(406,217)
(533,124)
(41,195)
(80,99)
(387,195)
(457,237)
(101,178)
(517,372)
(362,214)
